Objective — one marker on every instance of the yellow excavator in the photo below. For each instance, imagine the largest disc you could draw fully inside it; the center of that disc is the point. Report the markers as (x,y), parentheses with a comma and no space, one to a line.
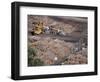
(38,28)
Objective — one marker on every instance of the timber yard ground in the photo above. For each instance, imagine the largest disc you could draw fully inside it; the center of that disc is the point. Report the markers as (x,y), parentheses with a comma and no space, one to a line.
(57,40)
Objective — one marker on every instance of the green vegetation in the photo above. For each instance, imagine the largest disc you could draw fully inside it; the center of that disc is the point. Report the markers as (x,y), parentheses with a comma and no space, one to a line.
(37,62)
(32,51)
(32,61)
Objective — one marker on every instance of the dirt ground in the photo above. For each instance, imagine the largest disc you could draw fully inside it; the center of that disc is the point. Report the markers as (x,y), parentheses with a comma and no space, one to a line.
(65,47)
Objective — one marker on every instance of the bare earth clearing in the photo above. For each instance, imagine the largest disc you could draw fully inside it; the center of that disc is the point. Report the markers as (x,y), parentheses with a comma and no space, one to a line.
(66,48)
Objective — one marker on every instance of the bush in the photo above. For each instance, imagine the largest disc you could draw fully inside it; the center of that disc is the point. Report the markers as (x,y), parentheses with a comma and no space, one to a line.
(37,62)
(32,51)
(32,61)
(31,55)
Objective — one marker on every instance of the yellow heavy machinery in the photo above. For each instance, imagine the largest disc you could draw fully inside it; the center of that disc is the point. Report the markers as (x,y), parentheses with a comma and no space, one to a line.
(38,28)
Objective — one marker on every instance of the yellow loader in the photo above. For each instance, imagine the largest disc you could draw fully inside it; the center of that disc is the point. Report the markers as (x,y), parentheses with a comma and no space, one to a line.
(38,28)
